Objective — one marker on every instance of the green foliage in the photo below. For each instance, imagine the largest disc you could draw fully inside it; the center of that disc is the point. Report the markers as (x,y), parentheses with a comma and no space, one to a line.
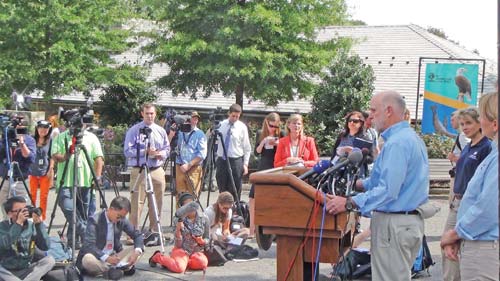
(120,103)
(348,86)
(112,143)
(59,46)
(264,49)
(437,146)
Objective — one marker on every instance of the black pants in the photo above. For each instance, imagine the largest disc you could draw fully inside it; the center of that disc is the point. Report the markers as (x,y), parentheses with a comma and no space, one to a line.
(223,177)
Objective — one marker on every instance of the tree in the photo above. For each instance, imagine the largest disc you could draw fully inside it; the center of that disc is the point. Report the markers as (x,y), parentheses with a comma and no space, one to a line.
(121,102)
(55,47)
(266,50)
(347,87)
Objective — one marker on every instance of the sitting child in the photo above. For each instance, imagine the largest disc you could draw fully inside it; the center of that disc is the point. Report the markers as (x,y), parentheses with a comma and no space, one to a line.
(191,236)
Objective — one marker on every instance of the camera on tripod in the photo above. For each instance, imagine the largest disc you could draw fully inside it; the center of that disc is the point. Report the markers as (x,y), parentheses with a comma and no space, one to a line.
(75,118)
(217,116)
(145,131)
(11,127)
(178,122)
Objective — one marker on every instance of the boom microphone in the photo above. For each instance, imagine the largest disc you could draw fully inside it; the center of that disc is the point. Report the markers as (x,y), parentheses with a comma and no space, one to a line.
(319,168)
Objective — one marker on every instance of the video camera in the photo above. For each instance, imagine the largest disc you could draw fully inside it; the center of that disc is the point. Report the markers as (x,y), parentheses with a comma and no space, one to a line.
(10,128)
(216,116)
(181,121)
(75,118)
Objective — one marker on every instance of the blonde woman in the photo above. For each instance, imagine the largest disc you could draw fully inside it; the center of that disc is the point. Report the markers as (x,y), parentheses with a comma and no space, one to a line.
(296,149)
(266,142)
(475,235)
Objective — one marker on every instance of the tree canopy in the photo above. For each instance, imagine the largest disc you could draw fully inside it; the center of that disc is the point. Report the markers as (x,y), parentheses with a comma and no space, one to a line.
(347,87)
(55,47)
(266,50)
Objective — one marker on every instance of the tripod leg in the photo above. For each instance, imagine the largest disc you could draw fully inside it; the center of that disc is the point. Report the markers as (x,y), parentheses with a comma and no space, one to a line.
(103,204)
(58,197)
(231,175)
(154,207)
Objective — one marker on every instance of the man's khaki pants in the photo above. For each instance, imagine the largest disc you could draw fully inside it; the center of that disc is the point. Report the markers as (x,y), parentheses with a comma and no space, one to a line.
(185,184)
(451,269)
(479,260)
(395,241)
(138,196)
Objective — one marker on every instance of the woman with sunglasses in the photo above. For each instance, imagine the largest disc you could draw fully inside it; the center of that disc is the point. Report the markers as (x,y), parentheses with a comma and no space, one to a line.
(266,141)
(475,235)
(42,169)
(296,149)
(353,128)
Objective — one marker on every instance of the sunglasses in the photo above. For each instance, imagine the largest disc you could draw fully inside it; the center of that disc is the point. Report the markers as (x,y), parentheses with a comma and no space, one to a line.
(43,124)
(355,121)
(273,126)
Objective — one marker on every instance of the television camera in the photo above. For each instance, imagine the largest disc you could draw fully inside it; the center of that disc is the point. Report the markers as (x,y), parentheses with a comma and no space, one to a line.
(11,127)
(216,116)
(75,118)
(177,121)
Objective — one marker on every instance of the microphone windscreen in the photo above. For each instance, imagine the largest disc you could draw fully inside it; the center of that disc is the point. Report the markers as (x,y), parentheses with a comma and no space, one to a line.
(355,157)
(186,209)
(321,166)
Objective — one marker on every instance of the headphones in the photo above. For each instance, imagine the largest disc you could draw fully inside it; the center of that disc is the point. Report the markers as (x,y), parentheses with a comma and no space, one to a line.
(183,196)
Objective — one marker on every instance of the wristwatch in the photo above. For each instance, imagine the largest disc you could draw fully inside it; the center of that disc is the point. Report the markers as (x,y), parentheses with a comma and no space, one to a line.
(349,206)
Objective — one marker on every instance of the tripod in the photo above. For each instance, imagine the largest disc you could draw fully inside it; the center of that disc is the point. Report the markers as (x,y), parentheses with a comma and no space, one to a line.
(148,183)
(77,187)
(9,173)
(209,164)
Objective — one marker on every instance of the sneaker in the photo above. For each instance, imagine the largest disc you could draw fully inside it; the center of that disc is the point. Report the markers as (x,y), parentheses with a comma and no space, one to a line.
(152,239)
(113,274)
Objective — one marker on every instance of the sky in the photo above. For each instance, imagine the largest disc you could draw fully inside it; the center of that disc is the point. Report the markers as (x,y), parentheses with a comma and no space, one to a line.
(472,23)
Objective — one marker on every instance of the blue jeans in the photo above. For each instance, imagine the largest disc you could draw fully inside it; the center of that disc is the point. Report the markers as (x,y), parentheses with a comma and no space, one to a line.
(82,206)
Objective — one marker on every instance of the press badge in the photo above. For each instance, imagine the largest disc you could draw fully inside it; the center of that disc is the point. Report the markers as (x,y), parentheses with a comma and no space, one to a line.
(40,162)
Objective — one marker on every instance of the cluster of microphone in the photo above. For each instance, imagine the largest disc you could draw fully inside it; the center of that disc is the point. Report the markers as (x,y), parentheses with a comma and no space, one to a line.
(329,167)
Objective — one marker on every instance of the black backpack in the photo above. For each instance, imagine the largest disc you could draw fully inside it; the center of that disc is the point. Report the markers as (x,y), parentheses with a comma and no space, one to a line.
(423,260)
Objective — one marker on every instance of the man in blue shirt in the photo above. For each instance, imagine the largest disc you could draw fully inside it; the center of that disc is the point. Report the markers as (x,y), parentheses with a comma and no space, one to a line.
(398,185)
(149,138)
(22,154)
(192,148)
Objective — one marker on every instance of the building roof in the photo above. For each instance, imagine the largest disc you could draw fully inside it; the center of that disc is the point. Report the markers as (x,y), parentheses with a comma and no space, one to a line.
(392,51)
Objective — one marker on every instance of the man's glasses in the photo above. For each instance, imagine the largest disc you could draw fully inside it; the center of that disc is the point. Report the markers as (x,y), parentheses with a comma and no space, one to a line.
(355,121)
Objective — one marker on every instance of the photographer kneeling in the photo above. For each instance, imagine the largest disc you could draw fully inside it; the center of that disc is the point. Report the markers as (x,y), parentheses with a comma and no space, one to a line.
(17,235)
(102,251)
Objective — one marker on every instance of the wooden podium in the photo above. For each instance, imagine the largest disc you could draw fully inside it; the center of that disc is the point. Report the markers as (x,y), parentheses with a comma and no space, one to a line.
(283,205)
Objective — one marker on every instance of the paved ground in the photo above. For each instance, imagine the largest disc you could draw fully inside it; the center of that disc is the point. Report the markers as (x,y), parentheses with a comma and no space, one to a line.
(262,269)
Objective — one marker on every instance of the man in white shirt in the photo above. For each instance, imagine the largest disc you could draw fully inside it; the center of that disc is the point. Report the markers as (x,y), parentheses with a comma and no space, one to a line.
(237,148)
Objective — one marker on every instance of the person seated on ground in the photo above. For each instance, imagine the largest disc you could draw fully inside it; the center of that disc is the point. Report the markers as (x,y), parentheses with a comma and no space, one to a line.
(191,236)
(17,235)
(219,217)
(102,252)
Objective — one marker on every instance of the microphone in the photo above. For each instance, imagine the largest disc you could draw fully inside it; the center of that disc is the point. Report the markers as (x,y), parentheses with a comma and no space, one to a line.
(366,156)
(186,209)
(354,158)
(319,168)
